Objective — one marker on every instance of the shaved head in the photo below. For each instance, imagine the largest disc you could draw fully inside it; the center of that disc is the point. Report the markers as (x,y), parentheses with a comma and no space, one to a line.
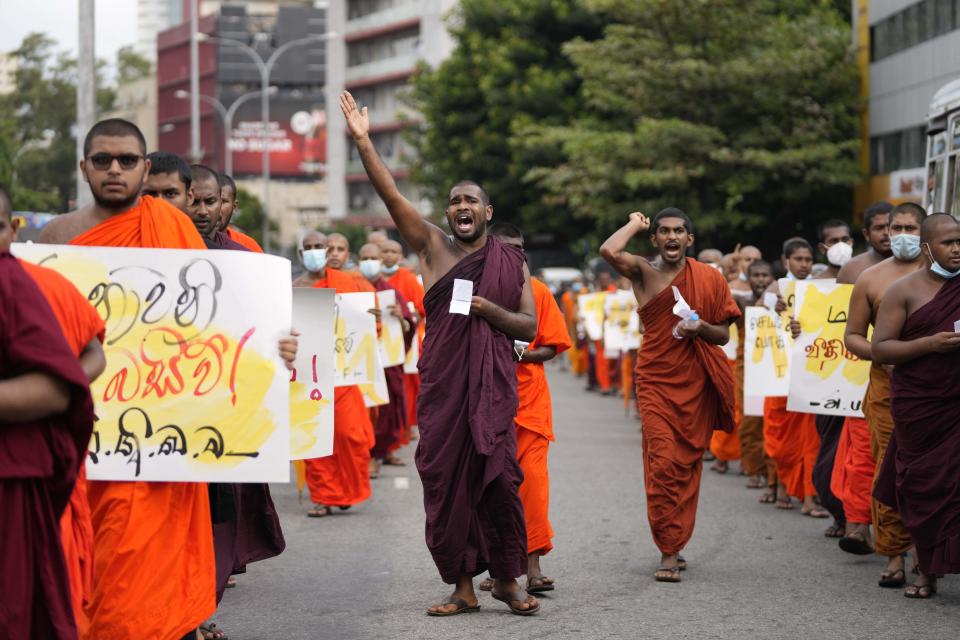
(377,237)
(313,239)
(338,250)
(369,251)
(935,224)
(710,256)
(391,252)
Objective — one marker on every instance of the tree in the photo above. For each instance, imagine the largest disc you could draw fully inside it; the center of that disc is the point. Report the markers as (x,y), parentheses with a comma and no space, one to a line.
(249,216)
(506,73)
(131,65)
(38,122)
(741,112)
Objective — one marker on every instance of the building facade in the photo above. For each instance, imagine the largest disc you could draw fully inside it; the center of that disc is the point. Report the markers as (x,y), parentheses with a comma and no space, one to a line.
(8,73)
(382,43)
(908,50)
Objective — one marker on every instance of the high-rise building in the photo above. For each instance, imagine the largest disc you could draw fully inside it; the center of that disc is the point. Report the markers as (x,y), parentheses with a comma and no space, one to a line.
(908,49)
(381,45)
(8,73)
(153,16)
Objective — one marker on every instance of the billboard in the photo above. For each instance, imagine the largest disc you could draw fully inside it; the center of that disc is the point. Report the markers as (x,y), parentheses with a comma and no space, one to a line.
(296,137)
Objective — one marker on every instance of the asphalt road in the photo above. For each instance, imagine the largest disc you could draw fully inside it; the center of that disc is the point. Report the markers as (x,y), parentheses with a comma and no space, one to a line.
(755,572)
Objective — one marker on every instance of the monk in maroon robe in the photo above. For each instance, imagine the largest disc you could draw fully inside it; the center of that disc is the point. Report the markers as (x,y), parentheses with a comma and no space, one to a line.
(916,332)
(468,394)
(390,425)
(46,419)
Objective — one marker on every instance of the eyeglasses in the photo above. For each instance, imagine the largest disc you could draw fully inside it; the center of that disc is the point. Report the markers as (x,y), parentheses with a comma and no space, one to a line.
(103,161)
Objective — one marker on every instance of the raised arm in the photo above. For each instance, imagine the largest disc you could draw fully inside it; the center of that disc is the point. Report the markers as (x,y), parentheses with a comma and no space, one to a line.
(520,324)
(888,348)
(858,321)
(411,225)
(614,250)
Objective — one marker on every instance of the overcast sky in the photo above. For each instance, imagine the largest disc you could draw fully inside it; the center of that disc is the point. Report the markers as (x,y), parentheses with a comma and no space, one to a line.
(116,24)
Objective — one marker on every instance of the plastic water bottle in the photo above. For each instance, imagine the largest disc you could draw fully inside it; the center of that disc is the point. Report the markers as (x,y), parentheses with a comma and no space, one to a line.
(685,323)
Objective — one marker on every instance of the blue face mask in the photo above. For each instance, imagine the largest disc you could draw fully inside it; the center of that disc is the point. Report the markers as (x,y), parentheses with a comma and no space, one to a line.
(905,246)
(314,259)
(938,269)
(577,287)
(370,268)
(389,271)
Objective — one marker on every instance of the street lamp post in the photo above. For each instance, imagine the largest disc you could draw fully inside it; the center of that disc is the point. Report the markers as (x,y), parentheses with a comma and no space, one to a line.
(226,117)
(265,68)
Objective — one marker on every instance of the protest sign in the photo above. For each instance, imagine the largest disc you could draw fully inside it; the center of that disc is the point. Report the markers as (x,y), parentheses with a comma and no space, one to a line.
(194,388)
(311,384)
(356,346)
(591,313)
(766,356)
(392,349)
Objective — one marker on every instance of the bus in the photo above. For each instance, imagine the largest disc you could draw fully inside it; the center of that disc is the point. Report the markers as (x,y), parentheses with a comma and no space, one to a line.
(942,177)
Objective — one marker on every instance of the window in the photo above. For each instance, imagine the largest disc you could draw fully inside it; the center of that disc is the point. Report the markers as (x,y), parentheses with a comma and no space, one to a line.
(914,25)
(902,149)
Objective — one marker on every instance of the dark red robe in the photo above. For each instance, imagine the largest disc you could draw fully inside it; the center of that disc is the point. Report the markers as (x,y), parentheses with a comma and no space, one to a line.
(922,464)
(468,399)
(392,417)
(39,463)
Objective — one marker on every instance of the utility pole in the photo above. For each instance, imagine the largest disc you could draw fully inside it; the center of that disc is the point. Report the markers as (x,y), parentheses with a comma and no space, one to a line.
(86,89)
(196,154)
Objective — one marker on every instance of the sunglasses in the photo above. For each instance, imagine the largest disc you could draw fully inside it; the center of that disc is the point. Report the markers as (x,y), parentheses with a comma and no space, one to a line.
(103,161)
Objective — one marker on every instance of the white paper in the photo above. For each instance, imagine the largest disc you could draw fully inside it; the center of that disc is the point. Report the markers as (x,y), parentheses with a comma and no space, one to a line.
(770,300)
(681,308)
(956,326)
(356,347)
(311,389)
(392,350)
(462,295)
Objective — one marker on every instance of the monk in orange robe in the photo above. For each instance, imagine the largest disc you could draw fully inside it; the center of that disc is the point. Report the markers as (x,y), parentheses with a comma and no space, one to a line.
(534,419)
(603,366)
(228,207)
(406,282)
(790,438)
(342,479)
(684,384)
(723,445)
(154,570)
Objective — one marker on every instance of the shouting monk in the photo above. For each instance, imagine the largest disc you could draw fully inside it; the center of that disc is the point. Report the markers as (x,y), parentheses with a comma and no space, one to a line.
(153,541)
(685,386)
(856,471)
(478,301)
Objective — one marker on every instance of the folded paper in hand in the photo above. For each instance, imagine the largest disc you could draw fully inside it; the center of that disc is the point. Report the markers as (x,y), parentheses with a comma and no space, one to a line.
(770,300)
(956,326)
(681,308)
(462,295)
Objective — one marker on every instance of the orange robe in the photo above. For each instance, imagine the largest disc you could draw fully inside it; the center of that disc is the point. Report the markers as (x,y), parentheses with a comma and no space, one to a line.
(240,237)
(853,469)
(80,324)
(406,282)
(578,364)
(343,479)
(792,442)
(534,421)
(685,391)
(726,446)
(154,572)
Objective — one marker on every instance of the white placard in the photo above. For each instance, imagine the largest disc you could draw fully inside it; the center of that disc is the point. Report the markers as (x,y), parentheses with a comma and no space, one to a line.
(461,297)
(356,346)
(392,351)
(766,357)
(311,385)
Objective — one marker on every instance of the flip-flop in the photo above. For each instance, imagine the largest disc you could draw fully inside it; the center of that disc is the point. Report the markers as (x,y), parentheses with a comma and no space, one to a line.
(210,628)
(681,562)
(816,512)
(768,498)
(889,579)
(319,511)
(546,584)
(785,505)
(673,577)
(921,592)
(514,596)
(834,531)
(462,607)
(856,544)
(486,584)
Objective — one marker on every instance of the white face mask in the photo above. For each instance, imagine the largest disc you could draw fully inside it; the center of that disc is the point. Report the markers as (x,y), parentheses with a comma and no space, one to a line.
(839,254)
(370,268)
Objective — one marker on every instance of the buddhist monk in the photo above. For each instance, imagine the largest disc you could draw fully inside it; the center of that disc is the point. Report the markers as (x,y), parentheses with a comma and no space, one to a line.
(753,459)
(153,541)
(246,527)
(744,257)
(534,420)
(790,438)
(377,237)
(603,367)
(836,243)
(84,331)
(342,479)
(230,206)
(684,384)
(46,419)
(466,455)
(568,300)
(712,257)
(916,331)
(169,179)
(406,282)
(867,446)
(876,221)
(391,418)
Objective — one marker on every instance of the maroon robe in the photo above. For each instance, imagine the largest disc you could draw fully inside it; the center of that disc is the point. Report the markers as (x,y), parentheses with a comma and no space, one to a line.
(922,464)
(466,455)
(246,527)
(39,463)
(392,418)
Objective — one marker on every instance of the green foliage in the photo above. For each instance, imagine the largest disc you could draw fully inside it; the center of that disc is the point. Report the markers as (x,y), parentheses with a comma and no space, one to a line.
(131,65)
(37,126)
(249,217)
(741,112)
(356,235)
(506,74)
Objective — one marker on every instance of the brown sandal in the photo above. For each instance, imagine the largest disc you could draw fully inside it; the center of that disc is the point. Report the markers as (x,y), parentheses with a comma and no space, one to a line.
(539,584)
(514,596)
(462,607)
